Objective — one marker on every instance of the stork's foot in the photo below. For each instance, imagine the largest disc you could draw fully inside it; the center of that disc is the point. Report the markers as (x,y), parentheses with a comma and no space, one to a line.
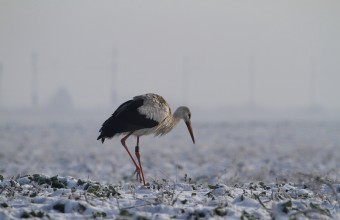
(141,174)
(138,173)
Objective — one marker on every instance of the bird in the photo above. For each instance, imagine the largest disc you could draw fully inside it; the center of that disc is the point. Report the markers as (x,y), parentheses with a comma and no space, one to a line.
(143,115)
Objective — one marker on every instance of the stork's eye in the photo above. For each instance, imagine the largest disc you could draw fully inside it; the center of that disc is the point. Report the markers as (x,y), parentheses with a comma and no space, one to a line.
(189,115)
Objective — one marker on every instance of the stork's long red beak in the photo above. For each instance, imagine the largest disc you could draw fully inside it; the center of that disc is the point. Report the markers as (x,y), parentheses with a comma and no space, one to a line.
(188,123)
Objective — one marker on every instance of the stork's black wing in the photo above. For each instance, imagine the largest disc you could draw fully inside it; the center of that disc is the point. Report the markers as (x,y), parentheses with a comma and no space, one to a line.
(125,119)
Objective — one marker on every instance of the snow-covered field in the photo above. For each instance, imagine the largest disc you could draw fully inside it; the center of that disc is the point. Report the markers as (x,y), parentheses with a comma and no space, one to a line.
(241,170)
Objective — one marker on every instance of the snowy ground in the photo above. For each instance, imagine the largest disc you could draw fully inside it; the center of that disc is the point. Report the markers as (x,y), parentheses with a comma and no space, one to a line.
(242,169)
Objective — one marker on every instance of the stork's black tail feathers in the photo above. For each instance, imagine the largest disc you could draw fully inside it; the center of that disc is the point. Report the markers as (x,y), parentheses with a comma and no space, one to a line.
(101,137)
(108,129)
(126,118)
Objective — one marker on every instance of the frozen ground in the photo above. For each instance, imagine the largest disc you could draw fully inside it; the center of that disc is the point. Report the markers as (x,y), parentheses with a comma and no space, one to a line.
(248,169)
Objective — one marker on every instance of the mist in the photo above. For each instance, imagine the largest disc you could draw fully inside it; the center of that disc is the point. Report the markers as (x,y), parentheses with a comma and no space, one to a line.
(216,56)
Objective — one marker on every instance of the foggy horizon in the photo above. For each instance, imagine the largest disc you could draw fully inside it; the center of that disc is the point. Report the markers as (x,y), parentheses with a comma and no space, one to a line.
(277,55)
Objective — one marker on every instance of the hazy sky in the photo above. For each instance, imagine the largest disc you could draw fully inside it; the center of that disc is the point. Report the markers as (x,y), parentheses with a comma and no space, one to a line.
(219,45)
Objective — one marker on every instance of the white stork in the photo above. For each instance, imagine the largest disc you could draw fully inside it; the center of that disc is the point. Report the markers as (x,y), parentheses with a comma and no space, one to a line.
(143,115)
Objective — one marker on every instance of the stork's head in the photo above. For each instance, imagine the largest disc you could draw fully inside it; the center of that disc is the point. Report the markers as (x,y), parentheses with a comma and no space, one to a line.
(184,113)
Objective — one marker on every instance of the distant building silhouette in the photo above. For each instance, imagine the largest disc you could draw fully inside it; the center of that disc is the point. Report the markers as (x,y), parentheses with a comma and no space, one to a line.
(251,81)
(185,74)
(61,101)
(312,86)
(1,75)
(114,68)
(34,72)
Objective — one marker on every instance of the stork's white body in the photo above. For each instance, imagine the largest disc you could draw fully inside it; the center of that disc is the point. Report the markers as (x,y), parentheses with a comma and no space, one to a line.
(157,109)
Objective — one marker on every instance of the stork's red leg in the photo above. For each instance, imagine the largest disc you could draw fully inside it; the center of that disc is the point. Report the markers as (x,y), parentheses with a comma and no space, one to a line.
(138,170)
(138,158)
